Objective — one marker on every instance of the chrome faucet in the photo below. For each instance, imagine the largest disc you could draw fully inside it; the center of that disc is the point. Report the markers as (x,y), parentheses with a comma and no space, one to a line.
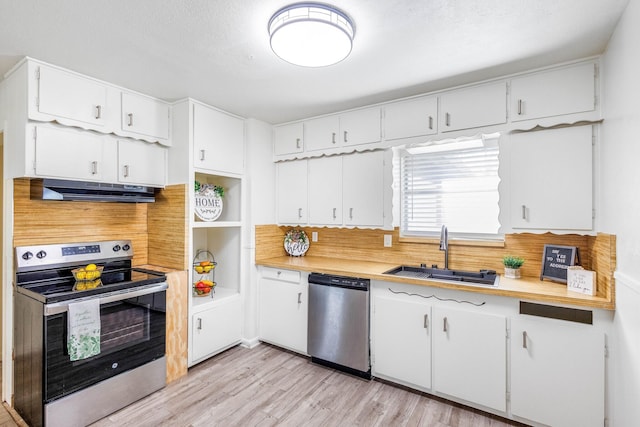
(444,245)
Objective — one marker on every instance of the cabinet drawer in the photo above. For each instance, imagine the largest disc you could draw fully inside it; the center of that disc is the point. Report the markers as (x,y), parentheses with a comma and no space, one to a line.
(282,275)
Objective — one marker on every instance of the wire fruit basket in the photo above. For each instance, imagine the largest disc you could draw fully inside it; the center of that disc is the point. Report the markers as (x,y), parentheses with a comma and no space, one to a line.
(204,265)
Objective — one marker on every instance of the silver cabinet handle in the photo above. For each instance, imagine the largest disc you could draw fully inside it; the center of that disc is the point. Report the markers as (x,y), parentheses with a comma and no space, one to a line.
(98,111)
(201,155)
(350,213)
(447,119)
(126,171)
(333,137)
(299,297)
(130,122)
(199,323)
(94,167)
(299,212)
(345,136)
(279,273)
(334,213)
(519,107)
(426,321)
(524,212)
(524,339)
(297,142)
(445,325)
(431,122)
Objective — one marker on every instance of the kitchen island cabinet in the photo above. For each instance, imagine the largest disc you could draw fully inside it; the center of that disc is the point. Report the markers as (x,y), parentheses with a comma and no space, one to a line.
(282,308)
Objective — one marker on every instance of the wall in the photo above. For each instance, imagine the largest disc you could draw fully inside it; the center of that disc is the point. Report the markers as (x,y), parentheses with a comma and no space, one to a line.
(621,203)
(260,206)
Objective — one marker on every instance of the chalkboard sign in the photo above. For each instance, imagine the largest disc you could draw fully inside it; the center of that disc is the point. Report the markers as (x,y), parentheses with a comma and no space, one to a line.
(556,260)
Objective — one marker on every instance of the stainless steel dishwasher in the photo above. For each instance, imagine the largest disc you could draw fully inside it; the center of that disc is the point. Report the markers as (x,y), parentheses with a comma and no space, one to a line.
(338,323)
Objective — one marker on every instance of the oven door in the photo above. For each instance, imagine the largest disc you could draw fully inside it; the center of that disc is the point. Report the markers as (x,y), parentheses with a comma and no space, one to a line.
(132,334)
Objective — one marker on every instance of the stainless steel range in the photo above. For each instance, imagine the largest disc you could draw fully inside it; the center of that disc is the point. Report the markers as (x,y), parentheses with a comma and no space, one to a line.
(54,388)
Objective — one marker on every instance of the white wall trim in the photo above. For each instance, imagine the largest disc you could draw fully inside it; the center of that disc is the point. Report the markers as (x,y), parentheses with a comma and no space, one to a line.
(628,281)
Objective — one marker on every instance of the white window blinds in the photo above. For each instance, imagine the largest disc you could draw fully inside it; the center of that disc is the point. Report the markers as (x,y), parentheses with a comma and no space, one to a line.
(455,184)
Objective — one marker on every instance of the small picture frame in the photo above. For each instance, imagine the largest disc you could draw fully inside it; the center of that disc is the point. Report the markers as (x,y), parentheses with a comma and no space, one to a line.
(556,260)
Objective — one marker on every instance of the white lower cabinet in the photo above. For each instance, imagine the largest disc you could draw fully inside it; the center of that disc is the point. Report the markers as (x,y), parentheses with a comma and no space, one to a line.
(557,372)
(282,308)
(470,356)
(216,328)
(401,340)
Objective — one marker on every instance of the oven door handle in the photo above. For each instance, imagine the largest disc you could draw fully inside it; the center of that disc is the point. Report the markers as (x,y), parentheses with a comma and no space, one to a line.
(61,307)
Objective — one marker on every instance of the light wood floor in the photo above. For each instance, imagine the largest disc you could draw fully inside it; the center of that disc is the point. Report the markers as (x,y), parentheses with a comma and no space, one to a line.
(266,386)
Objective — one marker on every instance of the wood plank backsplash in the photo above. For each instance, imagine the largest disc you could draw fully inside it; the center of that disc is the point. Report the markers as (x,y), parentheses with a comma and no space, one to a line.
(596,252)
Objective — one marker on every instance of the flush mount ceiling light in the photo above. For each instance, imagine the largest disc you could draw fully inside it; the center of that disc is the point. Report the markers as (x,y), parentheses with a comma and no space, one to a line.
(311,34)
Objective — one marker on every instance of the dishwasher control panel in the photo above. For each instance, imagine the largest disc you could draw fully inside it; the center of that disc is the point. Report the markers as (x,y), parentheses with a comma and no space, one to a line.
(340,281)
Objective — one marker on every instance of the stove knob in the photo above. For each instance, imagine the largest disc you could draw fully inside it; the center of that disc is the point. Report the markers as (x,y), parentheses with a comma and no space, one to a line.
(41,254)
(27,256)
(126,248)
(116,248)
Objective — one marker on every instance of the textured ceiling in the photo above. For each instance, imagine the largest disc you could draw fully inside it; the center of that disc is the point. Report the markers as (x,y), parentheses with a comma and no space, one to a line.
(218,51)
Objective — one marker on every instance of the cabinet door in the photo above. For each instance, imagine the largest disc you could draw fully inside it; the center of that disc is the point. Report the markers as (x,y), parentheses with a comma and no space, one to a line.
(362,191)
(70,96)
(414,117)
(72,154)
(473,107)
(469,356)
(142,163)
(401,338)
(218,140)
(322,133)
(292,192)
(282,308)
(325,190)
(361,126)
(288,139)
(557,372)
(145,116)
(216,329)
(552,93)
(551,179)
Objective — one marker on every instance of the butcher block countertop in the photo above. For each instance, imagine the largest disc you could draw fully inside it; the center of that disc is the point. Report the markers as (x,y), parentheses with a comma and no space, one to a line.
(528,288)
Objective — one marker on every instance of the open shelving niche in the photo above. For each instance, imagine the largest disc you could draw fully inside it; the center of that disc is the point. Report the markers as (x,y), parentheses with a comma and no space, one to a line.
(222,238)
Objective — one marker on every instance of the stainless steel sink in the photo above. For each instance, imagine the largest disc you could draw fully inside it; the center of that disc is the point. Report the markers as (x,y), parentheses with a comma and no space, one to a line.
(481,277)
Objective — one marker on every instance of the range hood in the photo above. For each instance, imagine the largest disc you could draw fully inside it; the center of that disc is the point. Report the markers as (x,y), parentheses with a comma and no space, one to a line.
(59,189)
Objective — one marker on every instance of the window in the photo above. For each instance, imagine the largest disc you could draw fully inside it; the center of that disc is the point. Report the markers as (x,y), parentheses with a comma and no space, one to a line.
(452,183)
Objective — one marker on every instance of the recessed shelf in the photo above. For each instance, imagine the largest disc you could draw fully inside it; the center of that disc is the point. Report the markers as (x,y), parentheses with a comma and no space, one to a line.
(221,294)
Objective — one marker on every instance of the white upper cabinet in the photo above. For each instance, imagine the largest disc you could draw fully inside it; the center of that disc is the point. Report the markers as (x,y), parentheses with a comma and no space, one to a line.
(322,133)
(142,163)
(218,140)
(552,93)
(473,107)
(413,117)
(363,189)
(551,179)
(325,190)
(360,126)
(347,129)
(292,192)
(143,115)
(288,139)
(70,96)
(68,153)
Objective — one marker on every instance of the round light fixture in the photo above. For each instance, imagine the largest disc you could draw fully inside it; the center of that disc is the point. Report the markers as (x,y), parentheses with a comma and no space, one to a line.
(311,34)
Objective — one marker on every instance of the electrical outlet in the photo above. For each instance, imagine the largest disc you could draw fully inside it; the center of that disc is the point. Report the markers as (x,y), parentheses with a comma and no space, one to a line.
(314,236)
(387,240)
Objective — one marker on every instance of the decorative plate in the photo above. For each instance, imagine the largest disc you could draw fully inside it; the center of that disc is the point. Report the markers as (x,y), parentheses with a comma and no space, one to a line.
(207,202)
(296,242)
